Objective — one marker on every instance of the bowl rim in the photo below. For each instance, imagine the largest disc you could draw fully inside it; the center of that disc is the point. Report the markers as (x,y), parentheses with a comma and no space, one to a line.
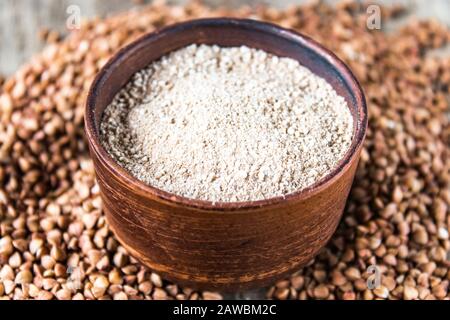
(147,190)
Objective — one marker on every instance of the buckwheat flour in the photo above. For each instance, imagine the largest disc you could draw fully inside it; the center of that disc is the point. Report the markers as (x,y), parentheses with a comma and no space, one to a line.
(227,124)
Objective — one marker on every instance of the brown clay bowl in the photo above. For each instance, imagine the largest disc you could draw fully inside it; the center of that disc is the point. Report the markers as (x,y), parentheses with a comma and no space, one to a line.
(234,245)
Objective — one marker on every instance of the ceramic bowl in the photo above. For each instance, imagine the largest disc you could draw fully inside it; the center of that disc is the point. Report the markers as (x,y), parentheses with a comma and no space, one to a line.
(232,245)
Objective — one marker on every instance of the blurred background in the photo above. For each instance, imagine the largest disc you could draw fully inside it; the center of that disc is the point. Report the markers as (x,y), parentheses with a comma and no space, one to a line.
(24,22)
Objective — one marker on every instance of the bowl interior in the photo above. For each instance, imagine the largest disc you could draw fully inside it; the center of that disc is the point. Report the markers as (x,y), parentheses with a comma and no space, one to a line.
(228,32)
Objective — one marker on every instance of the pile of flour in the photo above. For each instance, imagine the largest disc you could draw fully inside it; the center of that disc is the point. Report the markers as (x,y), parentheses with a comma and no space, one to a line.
(227,124)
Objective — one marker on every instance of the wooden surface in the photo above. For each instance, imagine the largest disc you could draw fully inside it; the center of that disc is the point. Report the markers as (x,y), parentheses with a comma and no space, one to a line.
(20,20)
(224,246)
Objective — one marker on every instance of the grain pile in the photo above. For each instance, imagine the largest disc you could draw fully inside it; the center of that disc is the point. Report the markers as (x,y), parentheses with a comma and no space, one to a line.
(54,242)
(227,124)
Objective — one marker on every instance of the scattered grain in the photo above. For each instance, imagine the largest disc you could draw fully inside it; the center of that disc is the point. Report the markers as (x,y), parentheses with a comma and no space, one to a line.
(407,94)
